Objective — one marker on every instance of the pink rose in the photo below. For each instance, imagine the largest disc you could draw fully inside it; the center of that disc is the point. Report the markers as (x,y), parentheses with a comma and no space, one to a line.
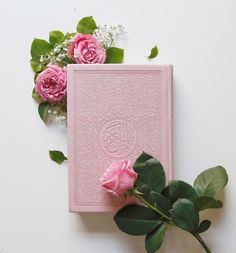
(119,177)
(85,49)
(51,83)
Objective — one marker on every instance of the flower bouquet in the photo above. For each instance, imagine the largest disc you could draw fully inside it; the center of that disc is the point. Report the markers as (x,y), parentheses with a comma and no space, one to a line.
(90,44)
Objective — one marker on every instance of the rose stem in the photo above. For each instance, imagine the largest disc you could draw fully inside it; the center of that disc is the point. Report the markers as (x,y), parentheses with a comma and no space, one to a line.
(150,205)
(198,237)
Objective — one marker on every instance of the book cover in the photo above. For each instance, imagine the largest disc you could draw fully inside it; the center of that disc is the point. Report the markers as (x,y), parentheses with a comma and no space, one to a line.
(115,112)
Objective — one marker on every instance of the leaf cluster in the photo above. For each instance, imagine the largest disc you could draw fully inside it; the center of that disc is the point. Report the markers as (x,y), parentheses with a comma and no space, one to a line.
(177,203)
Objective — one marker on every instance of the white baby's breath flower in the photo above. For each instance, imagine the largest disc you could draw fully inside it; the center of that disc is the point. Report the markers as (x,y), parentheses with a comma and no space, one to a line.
(59,54)
(108,34)
(41,59)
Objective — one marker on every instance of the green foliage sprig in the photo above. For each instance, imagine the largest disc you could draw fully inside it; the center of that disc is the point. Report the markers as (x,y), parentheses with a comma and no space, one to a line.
(176,204)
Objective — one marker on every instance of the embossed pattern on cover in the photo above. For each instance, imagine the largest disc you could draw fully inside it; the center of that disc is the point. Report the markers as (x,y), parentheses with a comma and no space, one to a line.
(115,112)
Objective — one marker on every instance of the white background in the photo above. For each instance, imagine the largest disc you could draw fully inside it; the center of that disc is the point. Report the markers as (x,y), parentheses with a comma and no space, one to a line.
(198,38)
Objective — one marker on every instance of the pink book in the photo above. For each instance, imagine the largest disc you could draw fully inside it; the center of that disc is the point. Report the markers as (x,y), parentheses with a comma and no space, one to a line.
(115,112)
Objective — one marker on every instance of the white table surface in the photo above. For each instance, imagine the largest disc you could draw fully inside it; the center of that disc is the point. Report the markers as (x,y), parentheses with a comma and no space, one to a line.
(198,38)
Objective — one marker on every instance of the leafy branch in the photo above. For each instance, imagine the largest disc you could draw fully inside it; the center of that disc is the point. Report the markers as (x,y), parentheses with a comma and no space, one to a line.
(177,204)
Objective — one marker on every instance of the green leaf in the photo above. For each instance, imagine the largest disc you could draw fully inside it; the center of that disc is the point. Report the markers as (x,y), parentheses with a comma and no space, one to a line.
(136,220)
(86,25)
(206,202)
(153,53)
(151,176)
(185,215)
(55,37)
(204,226)
(211,181)
(68,36)
(159,201)
(36,96)
(154,239)
(36,64)
(40,47)
(57,156)
(43,111)
(166,194)
(114,55)
(179,189)
(142,159)
(35,76)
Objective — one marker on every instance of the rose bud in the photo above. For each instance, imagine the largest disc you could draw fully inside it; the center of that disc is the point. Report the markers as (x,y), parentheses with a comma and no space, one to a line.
(119,177)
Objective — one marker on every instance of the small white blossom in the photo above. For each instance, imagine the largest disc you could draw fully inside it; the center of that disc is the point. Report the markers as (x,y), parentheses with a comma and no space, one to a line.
(108,34)
(59,54)
(57,112)
(41,59)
